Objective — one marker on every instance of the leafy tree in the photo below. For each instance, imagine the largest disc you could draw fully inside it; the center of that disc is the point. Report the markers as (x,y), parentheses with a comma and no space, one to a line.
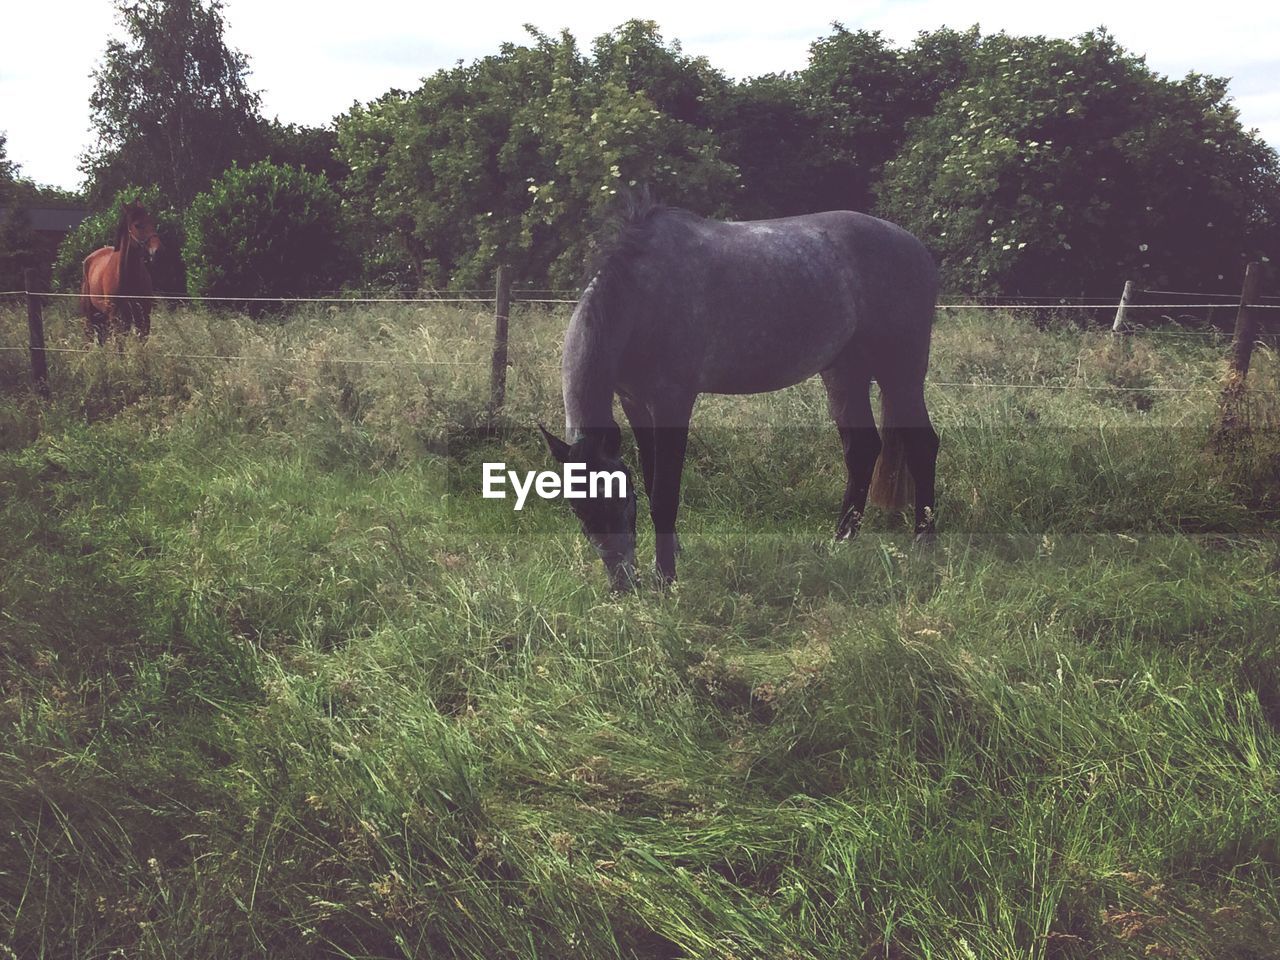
(310,148)
(449,164)
(767,132)
(171,103)
(1064,167)
(266,231)
(8,169)
(168,273)
(636,57)
(585,140)
(856,83)
(380,221)
(862,93)
(511,158)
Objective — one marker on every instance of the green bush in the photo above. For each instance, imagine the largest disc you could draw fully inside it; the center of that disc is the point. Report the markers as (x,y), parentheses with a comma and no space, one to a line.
(168,273)
(266,231)
(1064,167)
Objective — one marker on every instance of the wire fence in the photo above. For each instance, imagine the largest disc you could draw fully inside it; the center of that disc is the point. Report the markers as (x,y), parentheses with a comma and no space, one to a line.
(1005,303)
(284,361)
(1008,303)
(350,300)
(949,384)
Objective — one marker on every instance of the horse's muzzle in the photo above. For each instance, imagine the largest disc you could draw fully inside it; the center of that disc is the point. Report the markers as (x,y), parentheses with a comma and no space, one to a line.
(622,578)
(621,568)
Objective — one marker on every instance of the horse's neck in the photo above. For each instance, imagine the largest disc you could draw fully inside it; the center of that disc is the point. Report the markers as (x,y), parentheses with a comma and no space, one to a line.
(129,259)
(592,348)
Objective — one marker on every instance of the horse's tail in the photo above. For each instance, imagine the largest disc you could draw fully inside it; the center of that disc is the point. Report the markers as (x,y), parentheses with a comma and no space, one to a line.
(891,484)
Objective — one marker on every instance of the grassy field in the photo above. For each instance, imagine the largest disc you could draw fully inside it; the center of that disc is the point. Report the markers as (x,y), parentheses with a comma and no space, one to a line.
(275,681)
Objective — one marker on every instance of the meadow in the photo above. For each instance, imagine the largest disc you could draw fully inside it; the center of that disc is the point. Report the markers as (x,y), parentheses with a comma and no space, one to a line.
(276,681)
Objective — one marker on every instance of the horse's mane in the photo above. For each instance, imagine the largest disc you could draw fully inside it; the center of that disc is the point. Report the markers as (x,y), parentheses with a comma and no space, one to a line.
(621,236)
(122,228)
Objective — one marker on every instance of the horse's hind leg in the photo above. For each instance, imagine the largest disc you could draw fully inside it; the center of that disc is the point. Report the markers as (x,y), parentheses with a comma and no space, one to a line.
(905,412)
(93,320)
(118,323)
(95,327)
(670,440)
(848,385)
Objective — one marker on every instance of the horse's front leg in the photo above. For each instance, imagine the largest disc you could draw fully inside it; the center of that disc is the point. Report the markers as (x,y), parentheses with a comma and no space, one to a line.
(671,438)
(95,328)
(641,420)
(116,321)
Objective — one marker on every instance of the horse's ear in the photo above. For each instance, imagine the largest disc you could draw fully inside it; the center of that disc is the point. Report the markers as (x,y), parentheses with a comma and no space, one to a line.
(559,449)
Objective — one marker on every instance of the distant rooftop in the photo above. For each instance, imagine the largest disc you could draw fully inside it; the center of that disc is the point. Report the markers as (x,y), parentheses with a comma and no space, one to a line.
(52,219)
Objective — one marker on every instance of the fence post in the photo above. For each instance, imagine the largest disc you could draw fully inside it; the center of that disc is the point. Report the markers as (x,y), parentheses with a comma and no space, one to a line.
(35,335)
(1246,321)
(1241,353)
(1125,299)
(498,370)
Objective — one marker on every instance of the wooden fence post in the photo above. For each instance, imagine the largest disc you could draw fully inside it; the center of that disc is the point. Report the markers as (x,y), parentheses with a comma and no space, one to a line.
(1241,353)
(35,335)
(1125,299)
(498,370)
(1246,321)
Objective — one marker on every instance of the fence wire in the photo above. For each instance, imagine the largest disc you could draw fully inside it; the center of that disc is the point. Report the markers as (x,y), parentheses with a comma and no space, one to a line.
(1007,303)
(374,361)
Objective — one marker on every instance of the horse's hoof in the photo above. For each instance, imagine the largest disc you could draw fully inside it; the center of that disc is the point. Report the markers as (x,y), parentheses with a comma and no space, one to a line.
(848,526)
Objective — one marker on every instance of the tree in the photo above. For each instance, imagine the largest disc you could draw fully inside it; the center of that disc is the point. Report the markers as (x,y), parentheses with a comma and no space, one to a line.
(512,158)
(381,226)
(608,132)
(1065,167)
(266,231)
(8,169)
(636,57)
(309,148)
(171,103)
(861,94)
(767,132)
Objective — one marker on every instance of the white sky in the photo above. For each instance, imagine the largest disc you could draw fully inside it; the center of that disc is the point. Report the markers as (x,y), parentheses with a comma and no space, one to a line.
(312,60)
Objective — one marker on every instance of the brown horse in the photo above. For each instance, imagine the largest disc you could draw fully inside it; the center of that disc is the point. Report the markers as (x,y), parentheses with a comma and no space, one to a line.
(115,276)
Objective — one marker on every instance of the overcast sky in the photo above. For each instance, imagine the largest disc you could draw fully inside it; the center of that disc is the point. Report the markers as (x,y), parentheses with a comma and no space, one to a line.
(312,60)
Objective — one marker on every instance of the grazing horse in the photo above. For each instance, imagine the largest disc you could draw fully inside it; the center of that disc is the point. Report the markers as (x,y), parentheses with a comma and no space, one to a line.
(115,276)
(680,305)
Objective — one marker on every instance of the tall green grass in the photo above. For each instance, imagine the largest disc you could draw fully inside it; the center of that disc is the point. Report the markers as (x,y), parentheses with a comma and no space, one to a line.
(275,680)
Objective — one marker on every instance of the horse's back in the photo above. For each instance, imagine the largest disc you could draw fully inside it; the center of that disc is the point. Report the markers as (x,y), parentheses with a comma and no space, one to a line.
(759,305)
(95,267)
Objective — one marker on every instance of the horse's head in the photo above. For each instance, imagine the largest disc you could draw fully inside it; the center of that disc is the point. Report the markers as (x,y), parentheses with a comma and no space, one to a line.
(608,521)
(141,228)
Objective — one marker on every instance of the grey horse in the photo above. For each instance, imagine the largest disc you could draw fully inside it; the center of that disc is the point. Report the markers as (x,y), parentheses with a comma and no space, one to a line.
(679,305)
